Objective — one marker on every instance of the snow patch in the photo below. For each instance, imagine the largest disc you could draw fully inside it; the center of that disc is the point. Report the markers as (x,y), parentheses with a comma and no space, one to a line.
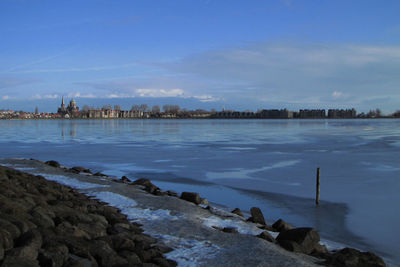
(241,226)
(74,183)
(116,200)
(128,207)
(188,252)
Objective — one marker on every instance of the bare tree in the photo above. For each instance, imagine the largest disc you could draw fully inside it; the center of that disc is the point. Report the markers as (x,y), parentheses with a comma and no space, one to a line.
(107,107)
(85,108)
(117,107)
(144,107)
(135,108)
(166,108)
(175,109)
(155,109)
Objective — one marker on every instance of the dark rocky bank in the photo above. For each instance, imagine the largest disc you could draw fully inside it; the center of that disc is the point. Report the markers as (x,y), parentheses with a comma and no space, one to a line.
(43,223)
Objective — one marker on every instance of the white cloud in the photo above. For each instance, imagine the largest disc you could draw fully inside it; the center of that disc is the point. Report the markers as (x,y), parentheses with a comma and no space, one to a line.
(337,94)
(160,92)
(80,95)
(206,98)
(5,97)
(46,96)
(287,72)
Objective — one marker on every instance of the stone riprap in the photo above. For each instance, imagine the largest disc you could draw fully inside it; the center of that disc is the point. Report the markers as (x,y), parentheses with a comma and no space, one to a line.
(43,223)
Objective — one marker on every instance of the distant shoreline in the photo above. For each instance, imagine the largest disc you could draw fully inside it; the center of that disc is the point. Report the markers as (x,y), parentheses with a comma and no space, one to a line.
(208,118)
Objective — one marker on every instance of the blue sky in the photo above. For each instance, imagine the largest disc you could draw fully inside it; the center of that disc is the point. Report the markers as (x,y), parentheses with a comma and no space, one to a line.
(201,54)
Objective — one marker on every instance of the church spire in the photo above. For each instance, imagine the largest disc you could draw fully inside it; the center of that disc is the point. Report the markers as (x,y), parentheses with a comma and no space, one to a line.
(62,101)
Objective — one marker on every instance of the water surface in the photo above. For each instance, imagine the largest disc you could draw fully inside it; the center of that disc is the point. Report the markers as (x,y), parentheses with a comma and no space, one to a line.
(245,163)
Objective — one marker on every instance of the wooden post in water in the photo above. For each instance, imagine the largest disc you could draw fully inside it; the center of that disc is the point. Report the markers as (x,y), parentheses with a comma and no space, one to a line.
(317,197)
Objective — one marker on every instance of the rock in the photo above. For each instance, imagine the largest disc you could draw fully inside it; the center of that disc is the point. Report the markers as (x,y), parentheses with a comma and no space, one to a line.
(53,163)
(12,261)
(230,230)
(53,256)
(121,242)
(203,201)
(267,236)
(349,257)
(132,258)
(100,174)
(6,239)
(29,253)
(32,238)
(280,226)
(164,262)
(125,179)
(303,240)
(142,181)
(266,227)
(257,216)
(78,169)
(105,255)
(27,245)
(10,227)
(149,187)
(320,251)
(237,211)
(191,197)
(172,193)
(41,217)
(94,230)
(1,252)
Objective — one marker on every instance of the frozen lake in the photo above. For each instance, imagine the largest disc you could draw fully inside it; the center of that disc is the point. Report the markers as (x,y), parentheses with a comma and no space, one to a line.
(245,163)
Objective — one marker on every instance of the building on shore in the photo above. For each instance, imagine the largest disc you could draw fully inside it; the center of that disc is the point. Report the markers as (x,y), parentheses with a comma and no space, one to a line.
(342,113)
(71,111)
(233,115)
(310,114)
(108,113)
(275,114)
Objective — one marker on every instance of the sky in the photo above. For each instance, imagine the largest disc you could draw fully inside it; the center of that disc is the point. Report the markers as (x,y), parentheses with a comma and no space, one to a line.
(200,54)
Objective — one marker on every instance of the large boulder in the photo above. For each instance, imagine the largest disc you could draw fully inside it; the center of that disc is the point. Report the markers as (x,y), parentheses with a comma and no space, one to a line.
(78,169)
(256,216)
(237,211)
(191,197)
(267,236)
(303,240)
(280,226)
(349,257)
(125,179)
(149,187)
(53,163)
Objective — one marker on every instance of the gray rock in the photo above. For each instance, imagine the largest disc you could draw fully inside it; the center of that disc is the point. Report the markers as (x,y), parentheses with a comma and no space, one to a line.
(191,197)
(78,169)
(203,201)
(230,230)
(267,236)
(303,240)
(257,216)
(53,163)
(280,226)
(237,211)
(125,179)
(349,257)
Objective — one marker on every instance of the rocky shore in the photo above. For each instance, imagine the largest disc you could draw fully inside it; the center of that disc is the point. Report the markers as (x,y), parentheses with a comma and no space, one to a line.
(47,224)
(44,223)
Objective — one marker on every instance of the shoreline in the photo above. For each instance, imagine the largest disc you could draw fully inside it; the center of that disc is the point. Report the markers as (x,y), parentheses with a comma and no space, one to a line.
(125,190)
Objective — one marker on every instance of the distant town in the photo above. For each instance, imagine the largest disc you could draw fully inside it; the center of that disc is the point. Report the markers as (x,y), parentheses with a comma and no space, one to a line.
(143,111)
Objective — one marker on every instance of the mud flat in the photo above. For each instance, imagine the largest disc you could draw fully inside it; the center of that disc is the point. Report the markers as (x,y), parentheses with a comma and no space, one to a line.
(48,224)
